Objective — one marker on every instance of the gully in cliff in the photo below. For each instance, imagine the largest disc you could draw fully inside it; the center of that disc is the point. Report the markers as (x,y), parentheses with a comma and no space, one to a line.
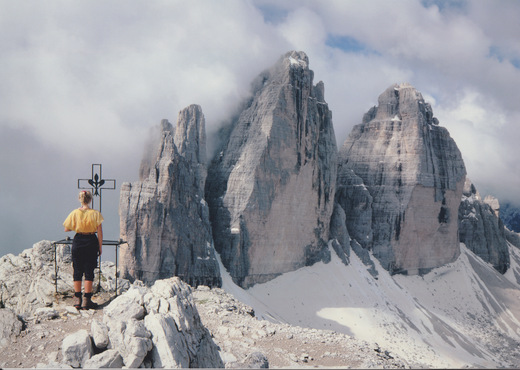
(86,247)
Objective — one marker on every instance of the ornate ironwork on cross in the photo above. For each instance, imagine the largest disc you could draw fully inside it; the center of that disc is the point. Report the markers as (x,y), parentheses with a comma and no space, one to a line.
(97,183)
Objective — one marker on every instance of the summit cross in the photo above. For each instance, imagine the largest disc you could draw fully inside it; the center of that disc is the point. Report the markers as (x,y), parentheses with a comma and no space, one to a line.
(97,183)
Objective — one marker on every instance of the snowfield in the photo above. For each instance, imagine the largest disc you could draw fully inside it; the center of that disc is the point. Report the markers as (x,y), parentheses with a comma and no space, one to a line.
(464,314)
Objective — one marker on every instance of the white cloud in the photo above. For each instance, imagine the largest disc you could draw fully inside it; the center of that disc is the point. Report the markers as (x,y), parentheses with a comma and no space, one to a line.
(82,82)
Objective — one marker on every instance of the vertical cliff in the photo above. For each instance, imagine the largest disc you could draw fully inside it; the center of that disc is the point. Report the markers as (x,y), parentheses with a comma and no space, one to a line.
(271,187)
(401,175)
(481,228)
(164,216)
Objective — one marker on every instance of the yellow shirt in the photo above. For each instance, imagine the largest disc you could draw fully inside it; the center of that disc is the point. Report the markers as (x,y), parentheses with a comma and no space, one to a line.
(83,220)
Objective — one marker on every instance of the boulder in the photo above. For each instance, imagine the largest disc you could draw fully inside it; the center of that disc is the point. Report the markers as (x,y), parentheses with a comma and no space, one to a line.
(159,324)
(46,313)
(256,360)
(99,331)
(164,217)
(270,186)
(10,326)
(77,348)
(169,349)
(107,359)
(180,339)
(126,331)
(412,175)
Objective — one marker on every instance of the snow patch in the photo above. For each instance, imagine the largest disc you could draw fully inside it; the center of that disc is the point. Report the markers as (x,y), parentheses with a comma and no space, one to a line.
(454,316)
(297,62)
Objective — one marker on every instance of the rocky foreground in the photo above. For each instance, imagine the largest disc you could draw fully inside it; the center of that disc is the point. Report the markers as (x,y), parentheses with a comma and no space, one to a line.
(166,325)
(243,340)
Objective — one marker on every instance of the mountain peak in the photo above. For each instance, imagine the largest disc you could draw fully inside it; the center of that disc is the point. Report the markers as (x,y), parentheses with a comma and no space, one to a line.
(414,174)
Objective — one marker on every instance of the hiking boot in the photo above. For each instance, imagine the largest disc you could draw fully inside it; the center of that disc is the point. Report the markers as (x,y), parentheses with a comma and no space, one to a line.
(87,303)
(77,300)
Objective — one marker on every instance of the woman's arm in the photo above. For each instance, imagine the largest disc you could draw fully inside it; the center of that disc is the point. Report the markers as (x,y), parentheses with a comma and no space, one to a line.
(100,238)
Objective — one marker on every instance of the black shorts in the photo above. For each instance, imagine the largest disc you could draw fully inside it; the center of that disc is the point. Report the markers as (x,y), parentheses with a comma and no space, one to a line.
(84,256)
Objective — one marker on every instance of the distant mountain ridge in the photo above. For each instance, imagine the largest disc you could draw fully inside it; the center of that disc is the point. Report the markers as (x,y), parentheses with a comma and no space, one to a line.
(510,215)
(278,190)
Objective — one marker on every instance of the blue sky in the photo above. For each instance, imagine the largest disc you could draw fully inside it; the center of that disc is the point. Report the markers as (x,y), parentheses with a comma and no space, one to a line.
(83,82)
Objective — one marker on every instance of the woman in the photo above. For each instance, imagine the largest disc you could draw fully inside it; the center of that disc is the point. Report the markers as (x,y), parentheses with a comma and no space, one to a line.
(86,247)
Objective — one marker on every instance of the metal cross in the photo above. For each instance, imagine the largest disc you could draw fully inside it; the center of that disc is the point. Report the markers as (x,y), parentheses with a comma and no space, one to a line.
(97,183)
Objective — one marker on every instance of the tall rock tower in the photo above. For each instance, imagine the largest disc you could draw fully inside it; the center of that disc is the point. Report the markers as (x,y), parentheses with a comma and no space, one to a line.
(271,187)
(481,228)
(402,173)
(164,216)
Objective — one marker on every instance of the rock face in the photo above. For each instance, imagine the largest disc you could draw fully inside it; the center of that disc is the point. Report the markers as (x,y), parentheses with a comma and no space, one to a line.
(24,295)
(27,281)
(10,326)
(146,327)
(161,325)
(164,216)
(271,187)
(481,228)
(400,180)
(510,215)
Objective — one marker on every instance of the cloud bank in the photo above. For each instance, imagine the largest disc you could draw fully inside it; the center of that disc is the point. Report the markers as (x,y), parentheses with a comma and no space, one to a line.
(83,82)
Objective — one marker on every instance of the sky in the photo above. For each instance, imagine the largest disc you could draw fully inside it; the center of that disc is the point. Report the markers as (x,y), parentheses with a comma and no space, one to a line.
(84,82)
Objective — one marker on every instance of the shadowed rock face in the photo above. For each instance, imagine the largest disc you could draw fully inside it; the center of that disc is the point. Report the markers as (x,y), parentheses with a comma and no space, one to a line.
(271,187)
(402,173)
(164,216)
(481,228)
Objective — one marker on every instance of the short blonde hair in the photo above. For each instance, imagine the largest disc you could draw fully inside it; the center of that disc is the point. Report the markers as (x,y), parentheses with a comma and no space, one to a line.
(85,197)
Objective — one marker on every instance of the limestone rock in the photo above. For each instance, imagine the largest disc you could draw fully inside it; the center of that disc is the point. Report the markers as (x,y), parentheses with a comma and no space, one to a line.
(271,186)
(256,360)
(169,350)
(510,215)
(77,348)
(413,173)
(190,140)
(53,365)
(26,295)
(513,238)
(46,313)
(180,339)
(10,326)
(110,359)
(99,332)
(160,324)
(339,236)
(353,200)
(481,229)
(164,217)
